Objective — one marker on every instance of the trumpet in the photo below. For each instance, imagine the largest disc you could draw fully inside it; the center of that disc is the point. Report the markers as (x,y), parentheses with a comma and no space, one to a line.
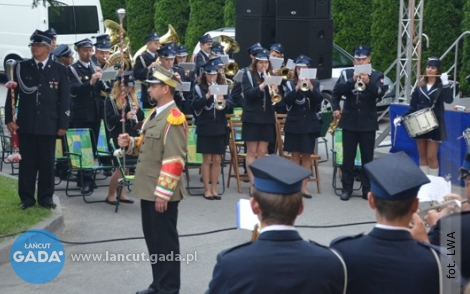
(285,73)
(275,98)
(359,85)
(422,212)
(219,104)
(304,86)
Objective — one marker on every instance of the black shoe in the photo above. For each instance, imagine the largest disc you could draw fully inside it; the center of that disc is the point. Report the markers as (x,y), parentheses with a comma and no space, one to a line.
(210,197)
(217,197)
(308,196)
(25,206)
(130,201)
(110,202)
(345,196)
(50,205)
(147,291)
(87,189)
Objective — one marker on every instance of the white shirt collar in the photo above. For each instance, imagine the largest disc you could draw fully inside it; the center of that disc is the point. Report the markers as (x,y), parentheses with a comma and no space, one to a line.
(151,53)
(160,109)
(277,228)
(392,228)
(86,65)
(44,62)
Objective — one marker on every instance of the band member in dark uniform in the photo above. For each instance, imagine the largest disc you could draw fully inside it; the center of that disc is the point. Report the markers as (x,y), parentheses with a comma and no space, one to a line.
(133,115)
(431,92)
(52,32)
(85,88)
(302,125)
(359,118)
(167,61)
(388,259)
(216,50)
(279,251)
(258,113)
(43,114)
(211,125)
(143,65)
(205,42)
(63,55)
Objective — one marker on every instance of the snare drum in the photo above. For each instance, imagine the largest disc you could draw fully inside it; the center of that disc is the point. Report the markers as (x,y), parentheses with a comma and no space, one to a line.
(420,122)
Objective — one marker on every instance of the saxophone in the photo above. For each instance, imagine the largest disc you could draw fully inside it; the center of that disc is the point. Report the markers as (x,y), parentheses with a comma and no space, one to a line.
(333,125)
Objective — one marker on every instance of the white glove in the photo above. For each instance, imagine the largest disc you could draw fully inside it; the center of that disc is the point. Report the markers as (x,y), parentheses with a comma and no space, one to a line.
(397,121)
(445,79)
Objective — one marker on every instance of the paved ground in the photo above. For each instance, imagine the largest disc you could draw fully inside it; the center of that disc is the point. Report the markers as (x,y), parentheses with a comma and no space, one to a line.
(91,222)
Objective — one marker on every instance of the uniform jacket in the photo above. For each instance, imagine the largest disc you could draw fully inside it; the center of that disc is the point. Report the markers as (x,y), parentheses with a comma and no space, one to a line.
(210,121)
(278,262)
(161,147)
(141,73)
(45,98)
(86,99)
(302,110)
(201,59)
(389,261)
(422,98)
(451,224)
(113,118)
(258,107)
(359,110)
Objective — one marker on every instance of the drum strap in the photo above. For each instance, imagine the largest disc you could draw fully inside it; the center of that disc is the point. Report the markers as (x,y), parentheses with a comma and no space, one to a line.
(438,92)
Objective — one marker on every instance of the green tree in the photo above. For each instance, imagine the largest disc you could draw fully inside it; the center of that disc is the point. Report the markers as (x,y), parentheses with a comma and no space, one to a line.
(352,21)
(44,2)
(384,34)
(465,53)
(174,12)
(205,15)
(229,13)
(442,25)
(140,21)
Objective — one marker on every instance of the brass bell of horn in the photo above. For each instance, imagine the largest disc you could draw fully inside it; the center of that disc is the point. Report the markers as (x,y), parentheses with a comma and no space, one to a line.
(231,69)
(285,73)
(359,85)
(229,44)
(170,37)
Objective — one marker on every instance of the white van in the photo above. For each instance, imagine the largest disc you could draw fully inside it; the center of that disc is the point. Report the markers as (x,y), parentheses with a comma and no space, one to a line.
(341,60)
(79,19)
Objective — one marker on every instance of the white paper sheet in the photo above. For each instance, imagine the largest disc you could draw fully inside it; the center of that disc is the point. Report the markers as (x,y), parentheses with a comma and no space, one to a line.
(273,80)
(435,190)
(276,62)
(109,74)
(246,219)
(363,68)
(290,64)
(188,66)
(184,86)
(218,89)
(308,73)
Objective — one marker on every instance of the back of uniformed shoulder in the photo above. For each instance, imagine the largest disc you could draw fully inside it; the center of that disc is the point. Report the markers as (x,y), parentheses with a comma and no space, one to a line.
(234,249)
(346,238)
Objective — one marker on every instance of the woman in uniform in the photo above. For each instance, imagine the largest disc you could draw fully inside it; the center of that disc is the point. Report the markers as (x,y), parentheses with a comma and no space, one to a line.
(133,115)
(211,125)
(302,126)
(432,91)
(258,113)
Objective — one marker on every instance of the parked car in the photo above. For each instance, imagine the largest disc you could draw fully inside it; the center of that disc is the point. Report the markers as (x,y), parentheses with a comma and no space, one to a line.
(341,60)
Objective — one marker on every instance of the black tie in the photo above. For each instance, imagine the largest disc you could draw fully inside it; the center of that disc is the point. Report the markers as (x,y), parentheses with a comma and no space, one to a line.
(262,76)
(40,65)
(153,114)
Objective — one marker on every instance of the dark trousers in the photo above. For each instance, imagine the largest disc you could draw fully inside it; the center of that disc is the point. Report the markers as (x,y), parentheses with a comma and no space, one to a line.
(366,142)
(161,237)
(37,159)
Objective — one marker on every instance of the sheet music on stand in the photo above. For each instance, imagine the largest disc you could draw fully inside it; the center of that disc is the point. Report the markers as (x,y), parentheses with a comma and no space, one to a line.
(184,86)
(225,59)
(239,76)
(246,219)
(363,68)
(188,66)
(218,89)
(434,191)
(276,62)
(308,73)
(290,64)
(273,80)
(109,74)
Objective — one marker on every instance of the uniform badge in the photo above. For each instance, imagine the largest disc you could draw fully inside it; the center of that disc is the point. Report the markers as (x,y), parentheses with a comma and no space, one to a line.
(56,85)
(50,84)
(86,77)
(67,113)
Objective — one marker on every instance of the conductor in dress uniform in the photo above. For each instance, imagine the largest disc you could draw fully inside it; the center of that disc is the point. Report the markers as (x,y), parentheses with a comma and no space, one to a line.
(158,183)
(143,66)
(279,255)
(358,119)
(43,114)
(388,259)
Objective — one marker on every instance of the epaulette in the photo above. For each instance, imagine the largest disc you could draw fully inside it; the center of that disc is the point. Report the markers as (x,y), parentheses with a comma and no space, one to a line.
(235,248)
(176,117)
(318,244)
(344,238)
(440,250)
